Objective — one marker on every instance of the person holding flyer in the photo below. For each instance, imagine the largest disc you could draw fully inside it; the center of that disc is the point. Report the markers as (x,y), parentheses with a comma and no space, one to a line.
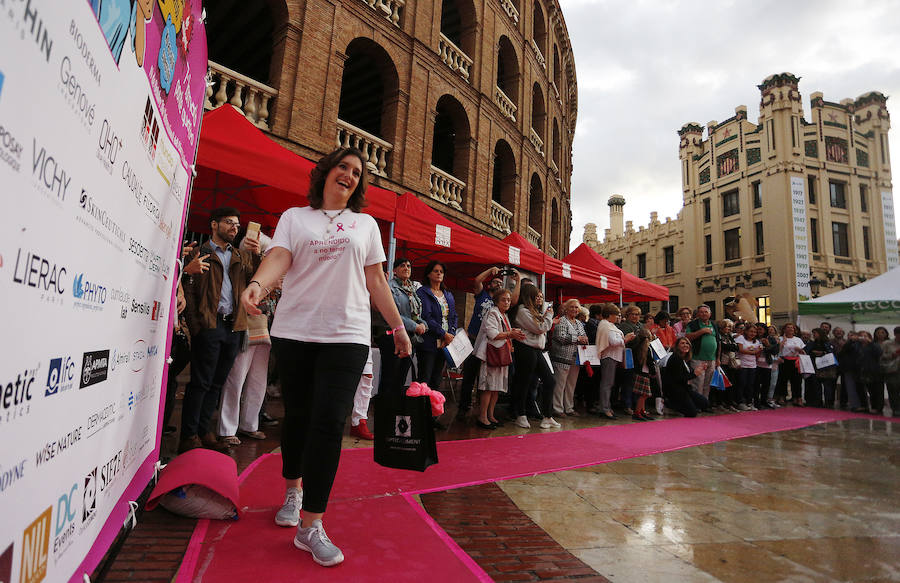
(535,321)
(333,257)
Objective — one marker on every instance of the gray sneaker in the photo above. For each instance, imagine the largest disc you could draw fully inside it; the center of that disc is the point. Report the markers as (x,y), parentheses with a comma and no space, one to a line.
(289,515)
(314,540)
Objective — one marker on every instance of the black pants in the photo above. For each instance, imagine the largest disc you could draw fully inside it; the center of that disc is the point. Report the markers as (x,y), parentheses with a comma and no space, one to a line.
(431,365)
(787,371)
(318,382)
(181,356)
(212,355)
(873,386)
(688,402)
(747,382)
(393,369)
(528,363)
(763,380)
(471,370)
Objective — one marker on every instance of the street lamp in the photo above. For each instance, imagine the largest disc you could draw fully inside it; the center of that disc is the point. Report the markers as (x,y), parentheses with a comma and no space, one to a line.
(814,285)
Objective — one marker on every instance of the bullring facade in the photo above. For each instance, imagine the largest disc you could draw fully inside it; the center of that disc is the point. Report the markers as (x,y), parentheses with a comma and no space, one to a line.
(471,104)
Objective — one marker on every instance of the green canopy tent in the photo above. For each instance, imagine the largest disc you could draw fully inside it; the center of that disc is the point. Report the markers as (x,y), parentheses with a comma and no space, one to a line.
(864,306)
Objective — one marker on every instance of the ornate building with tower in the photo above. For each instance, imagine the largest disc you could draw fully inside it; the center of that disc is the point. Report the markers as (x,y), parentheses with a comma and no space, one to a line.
(469,104)
(778,211)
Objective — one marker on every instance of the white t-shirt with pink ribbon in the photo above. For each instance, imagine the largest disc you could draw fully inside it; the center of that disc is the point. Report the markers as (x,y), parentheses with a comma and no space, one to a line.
(325,298)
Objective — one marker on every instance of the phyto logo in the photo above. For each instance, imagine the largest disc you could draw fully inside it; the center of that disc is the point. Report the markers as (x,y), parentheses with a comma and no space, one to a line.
(35,544)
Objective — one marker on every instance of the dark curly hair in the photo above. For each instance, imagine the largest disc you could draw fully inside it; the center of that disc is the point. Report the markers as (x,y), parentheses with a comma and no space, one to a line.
(317,179)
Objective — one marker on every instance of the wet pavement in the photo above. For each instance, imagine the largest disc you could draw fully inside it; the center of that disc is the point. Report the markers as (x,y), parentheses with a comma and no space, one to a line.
(815,504)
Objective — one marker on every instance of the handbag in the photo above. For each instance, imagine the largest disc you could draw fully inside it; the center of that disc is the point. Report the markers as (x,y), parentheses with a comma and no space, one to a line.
(404,429)
(498,357)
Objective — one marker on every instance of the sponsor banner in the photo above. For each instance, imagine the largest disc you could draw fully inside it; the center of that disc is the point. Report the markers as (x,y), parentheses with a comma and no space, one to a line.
(890,229)
(100,107)
(801,237)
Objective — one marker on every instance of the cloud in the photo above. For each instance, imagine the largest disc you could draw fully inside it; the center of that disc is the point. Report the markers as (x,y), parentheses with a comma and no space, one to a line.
(645,68)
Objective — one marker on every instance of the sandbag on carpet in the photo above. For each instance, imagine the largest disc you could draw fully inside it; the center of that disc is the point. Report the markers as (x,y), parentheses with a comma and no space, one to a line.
(199,483)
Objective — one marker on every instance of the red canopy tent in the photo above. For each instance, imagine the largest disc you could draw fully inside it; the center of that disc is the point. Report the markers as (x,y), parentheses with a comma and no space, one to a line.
(634,289)
(240,166)
(567,280)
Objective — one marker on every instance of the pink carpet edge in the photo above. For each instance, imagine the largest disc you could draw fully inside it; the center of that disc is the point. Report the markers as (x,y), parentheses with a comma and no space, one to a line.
(187,571)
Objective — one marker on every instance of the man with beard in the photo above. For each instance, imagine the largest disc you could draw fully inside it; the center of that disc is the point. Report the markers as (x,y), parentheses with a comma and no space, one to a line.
(215,319)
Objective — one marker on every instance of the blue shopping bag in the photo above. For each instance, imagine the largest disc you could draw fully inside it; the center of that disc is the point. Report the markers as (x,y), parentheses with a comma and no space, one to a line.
(718,380)
(628,363)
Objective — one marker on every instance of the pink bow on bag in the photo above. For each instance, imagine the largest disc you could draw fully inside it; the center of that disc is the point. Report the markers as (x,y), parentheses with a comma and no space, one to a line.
(422,390)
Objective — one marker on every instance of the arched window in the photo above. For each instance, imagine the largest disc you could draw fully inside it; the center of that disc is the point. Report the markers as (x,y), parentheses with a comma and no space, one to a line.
(508,70)
(536,206)
(557,73)
(458,27)
(503,186)
(367,109)
(556,145)
(251,47)
(555,228)
(450,152)
(539,29)
(538,117)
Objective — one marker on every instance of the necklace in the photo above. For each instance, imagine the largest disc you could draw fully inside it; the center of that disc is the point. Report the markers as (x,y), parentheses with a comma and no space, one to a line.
(331,219)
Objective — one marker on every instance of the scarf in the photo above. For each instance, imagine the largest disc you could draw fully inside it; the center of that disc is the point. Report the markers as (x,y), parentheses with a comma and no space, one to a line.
(415,302)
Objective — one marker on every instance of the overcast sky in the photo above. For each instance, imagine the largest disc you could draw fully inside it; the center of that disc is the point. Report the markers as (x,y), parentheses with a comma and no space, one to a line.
(646,67)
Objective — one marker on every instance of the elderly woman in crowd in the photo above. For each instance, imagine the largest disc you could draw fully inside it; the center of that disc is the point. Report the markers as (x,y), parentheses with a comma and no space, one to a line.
(611,350)
(495,332)
(567,335)
(409,304)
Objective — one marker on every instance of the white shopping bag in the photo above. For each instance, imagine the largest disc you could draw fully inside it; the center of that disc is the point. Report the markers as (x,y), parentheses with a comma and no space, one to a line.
(458,350)
(826,360)
(588,353)
(805,364)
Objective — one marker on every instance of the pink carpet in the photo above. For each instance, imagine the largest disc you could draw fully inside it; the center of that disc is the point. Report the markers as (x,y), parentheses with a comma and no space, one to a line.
(381,532)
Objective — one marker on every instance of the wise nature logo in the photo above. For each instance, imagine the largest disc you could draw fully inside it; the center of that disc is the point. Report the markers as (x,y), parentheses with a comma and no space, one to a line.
(94,368)
(35,544)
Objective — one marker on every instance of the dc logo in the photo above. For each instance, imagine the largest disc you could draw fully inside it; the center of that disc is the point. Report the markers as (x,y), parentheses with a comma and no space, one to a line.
(403,426)
(90,495)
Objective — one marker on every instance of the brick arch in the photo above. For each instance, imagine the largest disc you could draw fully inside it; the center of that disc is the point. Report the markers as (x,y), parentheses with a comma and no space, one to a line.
(536,197)
(451,137)
(459,21)
(503,177)
(369,86)
(509,69)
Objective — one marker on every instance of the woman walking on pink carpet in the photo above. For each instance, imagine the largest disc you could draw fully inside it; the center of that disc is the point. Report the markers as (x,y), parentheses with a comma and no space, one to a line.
(333,257)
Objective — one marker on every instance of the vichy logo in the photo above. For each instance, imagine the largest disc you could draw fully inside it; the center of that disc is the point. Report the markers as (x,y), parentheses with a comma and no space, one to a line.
(61,376)
(35,546)
(17,395)
(49,173)
(95,367)
(66,513)
(39,272)
(91,295)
